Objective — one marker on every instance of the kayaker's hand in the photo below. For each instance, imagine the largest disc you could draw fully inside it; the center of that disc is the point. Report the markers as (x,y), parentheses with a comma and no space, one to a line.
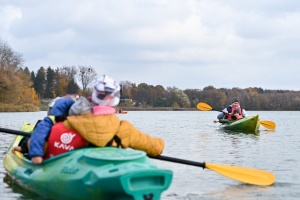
(37,160)
(17,148)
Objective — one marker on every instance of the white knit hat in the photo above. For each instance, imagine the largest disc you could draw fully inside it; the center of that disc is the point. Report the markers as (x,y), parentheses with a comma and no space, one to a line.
(106,91)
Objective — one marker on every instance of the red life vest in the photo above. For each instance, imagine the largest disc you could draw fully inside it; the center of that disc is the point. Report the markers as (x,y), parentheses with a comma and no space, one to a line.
(62,140)
(235,117)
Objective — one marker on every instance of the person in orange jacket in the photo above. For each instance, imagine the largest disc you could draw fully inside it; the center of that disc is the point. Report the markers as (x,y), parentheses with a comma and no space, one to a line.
(103,128)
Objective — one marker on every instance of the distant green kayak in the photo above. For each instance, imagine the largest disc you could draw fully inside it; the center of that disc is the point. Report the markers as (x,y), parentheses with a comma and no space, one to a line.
(90,173)
(246,124)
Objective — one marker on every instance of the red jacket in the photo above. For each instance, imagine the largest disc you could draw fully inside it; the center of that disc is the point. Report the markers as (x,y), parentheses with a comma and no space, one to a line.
(62,140)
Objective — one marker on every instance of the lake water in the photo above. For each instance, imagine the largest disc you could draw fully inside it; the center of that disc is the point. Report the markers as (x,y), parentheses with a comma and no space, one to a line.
(191,135)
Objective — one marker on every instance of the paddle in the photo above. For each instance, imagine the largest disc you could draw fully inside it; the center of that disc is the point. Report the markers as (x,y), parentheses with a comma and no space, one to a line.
(242,174)
(15,132)
(245,175)
(205,107)
(266,123)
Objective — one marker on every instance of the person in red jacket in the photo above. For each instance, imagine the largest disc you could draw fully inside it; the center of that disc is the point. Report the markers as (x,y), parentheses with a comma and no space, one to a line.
(236,115)
(228,111)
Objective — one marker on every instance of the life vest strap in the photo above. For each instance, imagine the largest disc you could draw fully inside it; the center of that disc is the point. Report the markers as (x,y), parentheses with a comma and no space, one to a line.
(115,139)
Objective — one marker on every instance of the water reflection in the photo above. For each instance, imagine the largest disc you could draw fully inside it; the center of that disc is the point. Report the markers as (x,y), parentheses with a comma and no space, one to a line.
(242,191)
(14,190)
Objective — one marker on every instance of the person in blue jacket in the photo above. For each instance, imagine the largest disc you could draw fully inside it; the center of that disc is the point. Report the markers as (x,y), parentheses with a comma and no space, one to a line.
(57,112)
(40,134)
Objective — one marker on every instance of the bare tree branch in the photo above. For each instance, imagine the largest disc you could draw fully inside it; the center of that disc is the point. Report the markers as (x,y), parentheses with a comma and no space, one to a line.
(86,76)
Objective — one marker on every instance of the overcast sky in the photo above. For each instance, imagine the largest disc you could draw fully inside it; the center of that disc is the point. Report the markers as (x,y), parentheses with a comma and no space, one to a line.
(189,44)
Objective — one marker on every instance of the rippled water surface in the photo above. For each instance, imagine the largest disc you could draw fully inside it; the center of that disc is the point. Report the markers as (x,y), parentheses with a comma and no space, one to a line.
(191,135)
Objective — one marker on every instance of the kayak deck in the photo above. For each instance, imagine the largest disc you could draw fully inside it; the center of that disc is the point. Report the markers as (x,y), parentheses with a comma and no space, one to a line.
(246,124)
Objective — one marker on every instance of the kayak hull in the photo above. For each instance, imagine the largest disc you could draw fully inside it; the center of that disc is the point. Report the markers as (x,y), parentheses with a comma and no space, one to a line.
(246,124)
(90,173)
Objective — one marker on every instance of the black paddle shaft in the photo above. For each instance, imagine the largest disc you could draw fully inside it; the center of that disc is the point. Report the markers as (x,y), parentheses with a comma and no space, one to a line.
(165,158)
(15,132)
(217,110)
(177,160)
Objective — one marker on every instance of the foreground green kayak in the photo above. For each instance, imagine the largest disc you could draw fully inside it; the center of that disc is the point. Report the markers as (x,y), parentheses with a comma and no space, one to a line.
(246,124)
(90,173)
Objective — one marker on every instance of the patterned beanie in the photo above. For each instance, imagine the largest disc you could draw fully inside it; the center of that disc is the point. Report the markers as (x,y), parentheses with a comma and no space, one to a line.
(106,91)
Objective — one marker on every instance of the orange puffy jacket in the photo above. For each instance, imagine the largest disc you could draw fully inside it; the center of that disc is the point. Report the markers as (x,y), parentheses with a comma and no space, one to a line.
(101,129)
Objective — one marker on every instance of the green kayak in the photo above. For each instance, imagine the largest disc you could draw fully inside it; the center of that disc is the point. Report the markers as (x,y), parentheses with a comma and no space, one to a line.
(246,124)
(90,173)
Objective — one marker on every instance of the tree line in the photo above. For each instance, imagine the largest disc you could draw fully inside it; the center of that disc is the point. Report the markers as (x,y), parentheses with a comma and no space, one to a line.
(24,88)
(251,98)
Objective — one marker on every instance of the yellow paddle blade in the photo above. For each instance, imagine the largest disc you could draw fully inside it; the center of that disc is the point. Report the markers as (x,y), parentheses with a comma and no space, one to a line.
(268,124)
(245,175)
(203,106)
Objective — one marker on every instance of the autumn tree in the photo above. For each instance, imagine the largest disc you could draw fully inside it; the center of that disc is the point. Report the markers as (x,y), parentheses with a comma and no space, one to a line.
(126,89)
(60,83)
(25,91)
(193,95)
(10,62)
(143,94)
(160,96)
(178,96)
(15,82)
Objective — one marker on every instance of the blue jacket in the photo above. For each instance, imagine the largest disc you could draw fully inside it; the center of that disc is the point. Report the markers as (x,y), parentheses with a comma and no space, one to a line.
(42,130)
